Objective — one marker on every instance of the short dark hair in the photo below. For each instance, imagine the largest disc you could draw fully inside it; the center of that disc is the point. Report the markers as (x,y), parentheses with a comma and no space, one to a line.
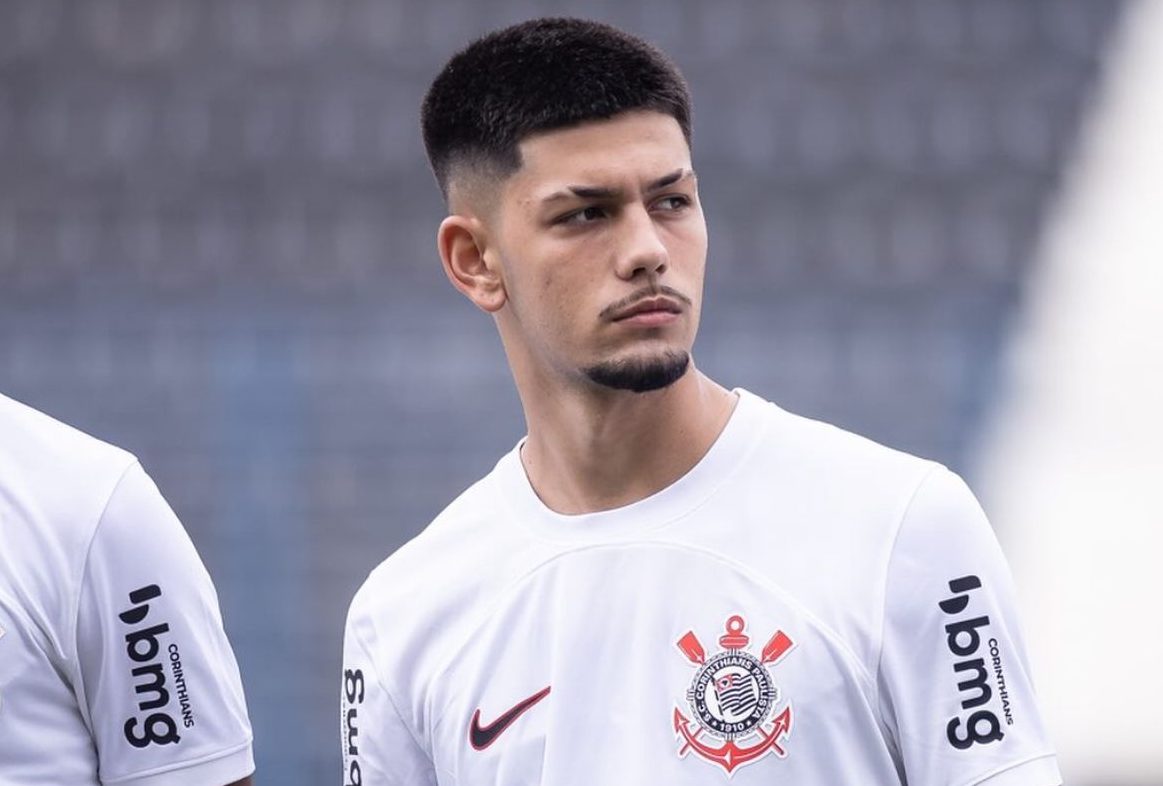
(541,75)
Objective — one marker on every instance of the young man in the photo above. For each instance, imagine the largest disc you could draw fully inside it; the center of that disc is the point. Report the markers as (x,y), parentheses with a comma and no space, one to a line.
(665,582)
(114,668)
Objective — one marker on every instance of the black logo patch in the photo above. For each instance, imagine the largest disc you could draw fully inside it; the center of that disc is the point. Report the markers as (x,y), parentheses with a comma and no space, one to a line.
(353,693)
(143,647)
(963,638)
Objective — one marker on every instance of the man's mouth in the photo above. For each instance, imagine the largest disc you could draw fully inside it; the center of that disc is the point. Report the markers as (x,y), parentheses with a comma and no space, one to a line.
(658,309)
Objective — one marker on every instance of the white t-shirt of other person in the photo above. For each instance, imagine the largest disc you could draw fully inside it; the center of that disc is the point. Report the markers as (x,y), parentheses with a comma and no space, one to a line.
(114,666)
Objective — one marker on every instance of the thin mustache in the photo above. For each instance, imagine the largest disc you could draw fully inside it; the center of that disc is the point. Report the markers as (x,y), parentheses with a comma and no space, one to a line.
(643,294)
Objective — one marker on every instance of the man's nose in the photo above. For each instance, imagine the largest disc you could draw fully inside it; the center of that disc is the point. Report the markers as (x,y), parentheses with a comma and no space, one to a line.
(641,248)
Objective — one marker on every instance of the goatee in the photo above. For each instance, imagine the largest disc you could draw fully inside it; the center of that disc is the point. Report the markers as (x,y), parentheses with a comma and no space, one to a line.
(640,375)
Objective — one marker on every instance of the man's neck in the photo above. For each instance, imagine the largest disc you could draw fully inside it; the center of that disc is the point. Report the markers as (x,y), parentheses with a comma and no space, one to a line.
(593,451)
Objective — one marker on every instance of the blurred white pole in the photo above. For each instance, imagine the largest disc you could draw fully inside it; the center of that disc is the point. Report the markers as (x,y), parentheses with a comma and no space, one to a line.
(1073,467)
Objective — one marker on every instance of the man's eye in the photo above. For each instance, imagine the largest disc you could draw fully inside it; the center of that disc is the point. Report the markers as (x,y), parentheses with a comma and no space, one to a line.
(586,215)
(677,202)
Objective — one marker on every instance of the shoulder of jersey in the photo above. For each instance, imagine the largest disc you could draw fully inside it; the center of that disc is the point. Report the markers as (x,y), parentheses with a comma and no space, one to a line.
(849,460)
(55,471)
(452,572)
(843,492)
(449,558)
(464,548)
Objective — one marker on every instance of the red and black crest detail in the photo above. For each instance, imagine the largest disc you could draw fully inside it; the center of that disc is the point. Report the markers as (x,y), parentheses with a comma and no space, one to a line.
(733,700)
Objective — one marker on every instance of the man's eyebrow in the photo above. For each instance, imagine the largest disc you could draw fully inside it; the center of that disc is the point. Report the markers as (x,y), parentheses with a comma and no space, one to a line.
(670,180)
(601,192)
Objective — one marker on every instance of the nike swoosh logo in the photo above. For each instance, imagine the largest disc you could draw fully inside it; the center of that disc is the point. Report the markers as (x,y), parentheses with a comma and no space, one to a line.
(481,737)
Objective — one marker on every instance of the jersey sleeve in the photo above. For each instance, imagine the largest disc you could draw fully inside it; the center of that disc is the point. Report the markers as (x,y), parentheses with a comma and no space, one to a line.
(378,747)
(954,680)
(159,685)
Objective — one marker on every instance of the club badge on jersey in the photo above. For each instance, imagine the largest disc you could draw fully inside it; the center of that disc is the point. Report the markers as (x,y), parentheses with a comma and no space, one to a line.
(733,700)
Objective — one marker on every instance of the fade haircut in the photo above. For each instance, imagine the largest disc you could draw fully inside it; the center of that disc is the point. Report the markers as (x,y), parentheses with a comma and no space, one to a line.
(540,75)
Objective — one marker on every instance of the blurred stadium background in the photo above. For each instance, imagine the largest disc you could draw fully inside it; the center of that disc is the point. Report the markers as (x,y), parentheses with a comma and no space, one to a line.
(216,249)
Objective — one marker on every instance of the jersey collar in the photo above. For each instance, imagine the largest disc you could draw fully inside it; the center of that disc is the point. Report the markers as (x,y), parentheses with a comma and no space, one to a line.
(743,432)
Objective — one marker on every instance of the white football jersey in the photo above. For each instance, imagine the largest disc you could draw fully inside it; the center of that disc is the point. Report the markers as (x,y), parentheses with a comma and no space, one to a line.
(114,667)
(804,606)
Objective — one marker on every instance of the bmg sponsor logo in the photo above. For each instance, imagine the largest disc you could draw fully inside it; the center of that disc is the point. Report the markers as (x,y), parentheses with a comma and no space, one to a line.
(353,693)
(152,725)
(978,724)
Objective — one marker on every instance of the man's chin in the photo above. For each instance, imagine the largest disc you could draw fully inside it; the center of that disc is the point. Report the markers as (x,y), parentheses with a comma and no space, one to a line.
(641,374)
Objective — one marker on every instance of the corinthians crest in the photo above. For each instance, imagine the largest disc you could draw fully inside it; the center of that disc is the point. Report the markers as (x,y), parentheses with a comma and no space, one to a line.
(733,700)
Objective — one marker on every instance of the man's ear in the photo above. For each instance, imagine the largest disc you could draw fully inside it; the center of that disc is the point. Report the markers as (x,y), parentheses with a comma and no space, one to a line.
(463,245)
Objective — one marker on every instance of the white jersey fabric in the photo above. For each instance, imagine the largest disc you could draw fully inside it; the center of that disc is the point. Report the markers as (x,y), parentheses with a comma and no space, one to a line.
(804,606)
(114,667)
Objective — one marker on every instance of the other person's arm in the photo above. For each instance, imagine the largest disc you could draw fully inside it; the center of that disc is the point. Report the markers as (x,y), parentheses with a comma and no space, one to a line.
(158,683)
